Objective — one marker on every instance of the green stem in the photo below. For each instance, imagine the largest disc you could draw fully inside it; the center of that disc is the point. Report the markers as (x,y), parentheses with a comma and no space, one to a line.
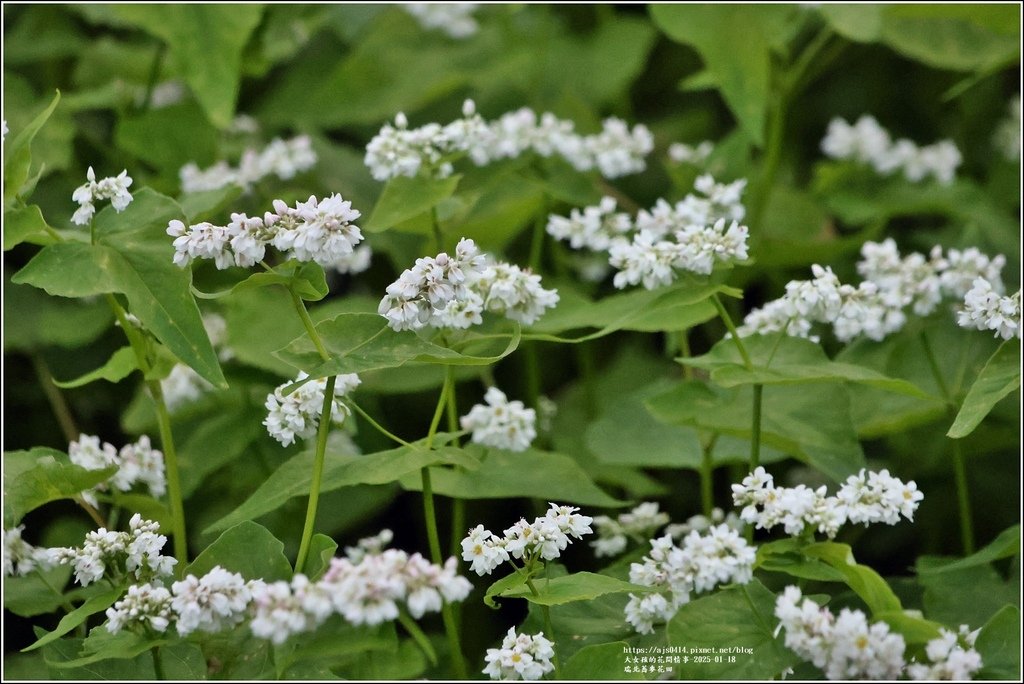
(380,428)
(755,429)
(158,664)
(417,634)
(731,327)
(549,628)
(430,516)
(154,74)
(933,364)
(706,478)
(318,471)
(683,336)
(163,417)
(307,322)
(58,404)
(537,239)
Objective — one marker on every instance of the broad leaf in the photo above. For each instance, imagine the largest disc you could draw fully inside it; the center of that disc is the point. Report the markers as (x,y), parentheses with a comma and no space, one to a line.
(79,615)
(532,474)
(35,320)
(601,662)
(999,646)
(248,549)
(321,550)
(1007,544)
(970,595)
(31,595)
(41,475)
(293,478)
(406,198)
(102,645)
(740,618)
(306,278)
(812,426)
(118,367)
(211,66)
(867,583)
(999,377)
(18,155)
(579,586)
(507,583)
(25,224)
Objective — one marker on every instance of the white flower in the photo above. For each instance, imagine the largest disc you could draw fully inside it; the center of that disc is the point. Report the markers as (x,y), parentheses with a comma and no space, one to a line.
(681,153)
(1007,135)
(212,603)
(844,647)
(135,463)
(484,550)
(701,523)
(4,131)
(501,423)
(641,522)
(355,262)
(984,309)
(643,612)
(136,551)
(145,606)
(595,228)
(952,657)
(111,188)
(281,158)
(454,19)
(20,557)
(316,230)
(521,656)
(298,414)
(868,143)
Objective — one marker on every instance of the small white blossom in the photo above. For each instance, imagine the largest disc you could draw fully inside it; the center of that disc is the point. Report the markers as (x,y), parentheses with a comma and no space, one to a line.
(316,230)
(484,550)
(111,188)
(613,533)
(281,158)
(521,656)
(137,463)
(454,19)
(844,646)
(681,153)
(546,537)
(985,309)
(212,603)
(595,228)
(136,552)
(20,557)
(952,656)
(297,415)
(1007,135)
(145,606)
(501,423)
(702,523)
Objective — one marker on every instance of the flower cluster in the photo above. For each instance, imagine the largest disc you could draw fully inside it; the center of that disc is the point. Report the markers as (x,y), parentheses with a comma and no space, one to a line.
(297,414)
(281,158)
(702,523)
(145,606)
(398,150)
(697,565)
(546,537)
(613,533)
(1007,135)
(501,424)
(315,230)
(521,656)
(453,292)
(844,646)
(692,235)
(136,552)
(137,463)
(456,19)
(370,586)
(867,498)
(986,309)
(681,153)
(111,188)
(868,143)
(877,306)
(20,557)
(952,657)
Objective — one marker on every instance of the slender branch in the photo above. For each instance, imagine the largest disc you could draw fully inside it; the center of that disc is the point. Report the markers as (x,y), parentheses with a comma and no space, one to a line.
(92,512)
(307,322)
(174,495)
(549,627)
(380,428)
(683,336)
(417,634)
(55,397)
(158,664)
(755,428)
(734,334)
(318,471)
(154,74)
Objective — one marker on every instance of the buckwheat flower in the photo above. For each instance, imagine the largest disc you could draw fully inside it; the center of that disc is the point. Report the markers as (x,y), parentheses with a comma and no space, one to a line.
(613,533)
(984,309)
(952,657)
(595,228)
(963,267)
(512,292)
(145,607)
(844,646)
(456,20)
(645,260)
(140,463)
(20,557)
(281,158)
(183,386)
(681,153)
(111,188)
(702,523)
(484,550)
(317,230)
(1007,135)
(211,603)
(369,545)
(501,423)
(87,452)
(644,611)
(871,497)
(201,241)
(143,550)
(617,150)
(277,615)
(297,415)
(355,262)
(5,130)
(521,656)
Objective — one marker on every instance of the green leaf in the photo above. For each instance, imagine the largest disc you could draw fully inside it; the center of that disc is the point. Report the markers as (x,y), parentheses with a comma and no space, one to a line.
(307,278)
(219,440)
(248,549)
(67,650)
(735,42)
(785,360)
(507,583)
(321,550)
(971,595)
(78,616)
(41,475)
(406,198)
(25,224)
(739,618)
(118,367)
(35,320)
(915,630)
(1007,544)
(360,342)
(785,556)
(183,662)
(579,586)
(72,269)
(208,204)
(532,473)
(168,137)
(679,306)
(211,67)
(999,646)
(18,155)
(999,377)
(293,478)
(30,595)
(815,427)
(102,645)
(600,662)
(864,581)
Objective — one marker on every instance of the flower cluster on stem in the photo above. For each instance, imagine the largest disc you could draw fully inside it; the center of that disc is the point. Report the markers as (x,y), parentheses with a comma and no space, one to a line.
(136,552)
(613,534)
(113,188)
(868,143)
(697,565)
(985,309)
(521,656)
(501,423)
(546,537)
(20,557)
(867,497)
(297,414)
(281,158)
(398,150)
(137,463)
